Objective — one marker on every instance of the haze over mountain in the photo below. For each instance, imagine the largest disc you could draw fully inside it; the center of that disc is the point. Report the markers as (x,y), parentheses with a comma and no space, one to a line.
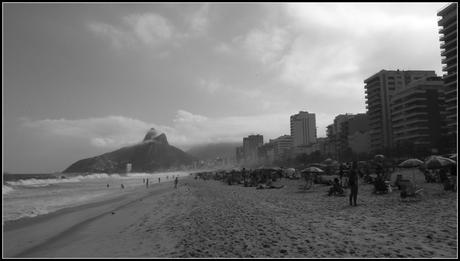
(213,150)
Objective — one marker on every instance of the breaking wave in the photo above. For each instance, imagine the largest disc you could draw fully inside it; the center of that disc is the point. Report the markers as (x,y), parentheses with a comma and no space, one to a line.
(6,189)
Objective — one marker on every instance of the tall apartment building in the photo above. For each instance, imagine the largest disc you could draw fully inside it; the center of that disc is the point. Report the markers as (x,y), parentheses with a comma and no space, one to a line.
(416,114)
(380,88)
(250,147)
(303,129)
(448,32)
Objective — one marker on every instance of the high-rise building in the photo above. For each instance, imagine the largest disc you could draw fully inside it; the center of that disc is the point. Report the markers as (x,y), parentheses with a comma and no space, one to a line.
(448,32)
(250,147)
(417,114)
(303,129)
(380,88)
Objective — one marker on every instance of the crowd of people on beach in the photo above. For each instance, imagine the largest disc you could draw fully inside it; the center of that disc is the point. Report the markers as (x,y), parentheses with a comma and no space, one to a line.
(339,176)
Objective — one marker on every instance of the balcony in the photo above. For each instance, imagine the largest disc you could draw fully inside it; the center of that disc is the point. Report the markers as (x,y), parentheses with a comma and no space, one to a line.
(452,99)
(449,36)
(448,28)
(409,130)
(447,45)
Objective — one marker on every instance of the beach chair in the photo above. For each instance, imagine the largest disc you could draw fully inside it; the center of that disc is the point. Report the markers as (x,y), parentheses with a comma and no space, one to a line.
(409,192)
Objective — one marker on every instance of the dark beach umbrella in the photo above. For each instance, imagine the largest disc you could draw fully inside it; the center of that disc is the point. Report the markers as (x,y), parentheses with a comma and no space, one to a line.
(410,163)
(437,162)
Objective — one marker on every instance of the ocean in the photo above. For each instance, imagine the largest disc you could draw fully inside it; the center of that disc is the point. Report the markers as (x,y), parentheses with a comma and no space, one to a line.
(30,195)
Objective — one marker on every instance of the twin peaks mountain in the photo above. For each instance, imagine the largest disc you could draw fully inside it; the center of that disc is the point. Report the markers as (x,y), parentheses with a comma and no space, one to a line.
(154,153)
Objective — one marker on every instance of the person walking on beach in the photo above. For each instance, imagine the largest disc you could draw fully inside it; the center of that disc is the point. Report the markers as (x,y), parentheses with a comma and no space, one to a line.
(175,182)
(122,186)
(353,182)
(147,183)
(158,180)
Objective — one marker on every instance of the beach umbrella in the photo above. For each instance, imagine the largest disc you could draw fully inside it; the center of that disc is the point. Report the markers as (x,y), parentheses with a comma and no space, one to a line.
(328,161)
(318,165)
(410,163)
(379,157)
(437,162)
(312,170)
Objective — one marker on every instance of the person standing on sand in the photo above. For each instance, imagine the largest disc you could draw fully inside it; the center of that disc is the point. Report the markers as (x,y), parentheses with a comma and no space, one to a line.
(147,183)
(175,182)
(353,182)
(158,180)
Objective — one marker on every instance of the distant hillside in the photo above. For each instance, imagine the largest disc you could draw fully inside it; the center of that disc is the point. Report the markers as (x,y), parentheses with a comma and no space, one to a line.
(211,151)
(154,153)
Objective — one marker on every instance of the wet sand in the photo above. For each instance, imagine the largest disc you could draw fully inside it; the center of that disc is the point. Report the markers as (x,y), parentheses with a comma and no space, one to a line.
(211,219)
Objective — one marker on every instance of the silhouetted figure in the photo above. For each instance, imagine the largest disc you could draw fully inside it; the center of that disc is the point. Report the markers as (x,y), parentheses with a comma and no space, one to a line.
(175,182)
(107,185)
(336,188)
(243,174)
(158,180)
(353,182)
(341,173)
(122,186)
(147,183)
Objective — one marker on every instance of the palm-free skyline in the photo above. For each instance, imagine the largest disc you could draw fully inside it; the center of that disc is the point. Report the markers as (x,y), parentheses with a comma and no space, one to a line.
(84,79)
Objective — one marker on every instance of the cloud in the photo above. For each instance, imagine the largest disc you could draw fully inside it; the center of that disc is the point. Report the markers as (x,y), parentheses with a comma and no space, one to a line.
(111,131)
(148,29)
(151,29)
(199,20)
(266,45)
(188,129)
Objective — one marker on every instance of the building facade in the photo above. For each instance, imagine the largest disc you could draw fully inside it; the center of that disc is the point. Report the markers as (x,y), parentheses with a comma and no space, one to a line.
(448,32)
(250,147)
(379,89)
(417,114)
(282,146)
(303,129)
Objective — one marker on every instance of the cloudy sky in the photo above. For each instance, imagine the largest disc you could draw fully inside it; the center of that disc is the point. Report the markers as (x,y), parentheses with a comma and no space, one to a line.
(83,79)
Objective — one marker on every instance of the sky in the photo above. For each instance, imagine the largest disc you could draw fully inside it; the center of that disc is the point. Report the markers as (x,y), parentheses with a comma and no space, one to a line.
(80,80)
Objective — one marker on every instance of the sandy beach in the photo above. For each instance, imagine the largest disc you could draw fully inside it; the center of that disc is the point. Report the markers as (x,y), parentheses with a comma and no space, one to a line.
(211,219)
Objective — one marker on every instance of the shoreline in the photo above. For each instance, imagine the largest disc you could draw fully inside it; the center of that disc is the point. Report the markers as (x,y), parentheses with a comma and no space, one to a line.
(65,220)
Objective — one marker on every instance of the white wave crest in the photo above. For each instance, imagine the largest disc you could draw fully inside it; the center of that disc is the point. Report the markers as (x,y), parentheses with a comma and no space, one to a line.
(46,182)
(6,189)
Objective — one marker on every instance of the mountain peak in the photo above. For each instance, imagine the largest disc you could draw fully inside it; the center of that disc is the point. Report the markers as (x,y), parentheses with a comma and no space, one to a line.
(154,135)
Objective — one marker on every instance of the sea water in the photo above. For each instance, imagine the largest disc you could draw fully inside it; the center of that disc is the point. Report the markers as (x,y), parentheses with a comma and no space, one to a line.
(33,195)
